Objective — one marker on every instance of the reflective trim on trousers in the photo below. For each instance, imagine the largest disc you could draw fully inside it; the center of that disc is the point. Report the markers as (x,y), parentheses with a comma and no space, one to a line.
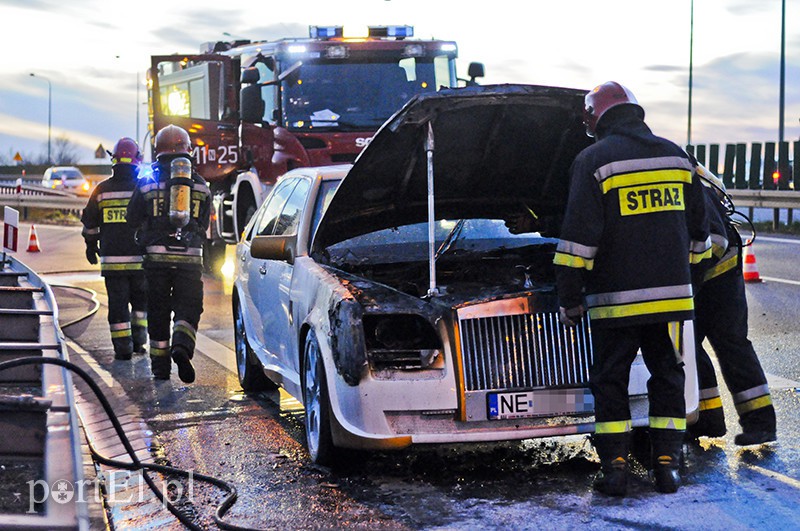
(752,405)
(667,423)
(614,426)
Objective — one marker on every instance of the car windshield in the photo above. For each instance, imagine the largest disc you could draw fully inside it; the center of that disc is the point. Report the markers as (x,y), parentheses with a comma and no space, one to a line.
(67,175)
(357,96)
(453,238)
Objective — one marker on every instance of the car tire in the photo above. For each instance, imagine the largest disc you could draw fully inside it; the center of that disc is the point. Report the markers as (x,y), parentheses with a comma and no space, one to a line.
(251,373)
(319,440)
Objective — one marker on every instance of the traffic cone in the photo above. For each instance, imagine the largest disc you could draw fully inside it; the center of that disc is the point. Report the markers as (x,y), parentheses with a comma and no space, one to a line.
(750,269)
(33,241)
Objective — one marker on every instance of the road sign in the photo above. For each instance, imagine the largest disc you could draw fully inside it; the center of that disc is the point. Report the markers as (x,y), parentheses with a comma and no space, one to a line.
(10,229)
(100,152)
(17,157)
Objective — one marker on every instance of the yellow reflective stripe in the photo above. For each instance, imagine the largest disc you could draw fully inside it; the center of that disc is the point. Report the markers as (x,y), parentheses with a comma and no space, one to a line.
(722,267)
(576,262)
(641,308)
(186,328)
(752,405)
(696,258)
(158,352)
(711,403)
(646,177)
(120,333)
(675,330)
(614,426)
(174,259)
(121,267)
(667,423)
(108,203)
(140,322)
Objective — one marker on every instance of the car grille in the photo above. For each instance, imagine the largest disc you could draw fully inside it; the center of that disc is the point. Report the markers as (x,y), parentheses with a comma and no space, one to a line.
(529,350)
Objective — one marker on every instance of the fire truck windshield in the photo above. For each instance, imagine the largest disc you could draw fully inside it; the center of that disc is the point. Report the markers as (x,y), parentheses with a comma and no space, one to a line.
(357,96)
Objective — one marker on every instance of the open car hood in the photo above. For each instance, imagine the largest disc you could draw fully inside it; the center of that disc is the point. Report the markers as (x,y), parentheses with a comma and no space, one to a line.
(498,150)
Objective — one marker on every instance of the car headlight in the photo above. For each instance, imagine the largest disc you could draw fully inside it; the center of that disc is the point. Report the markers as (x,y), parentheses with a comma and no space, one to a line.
(401,341)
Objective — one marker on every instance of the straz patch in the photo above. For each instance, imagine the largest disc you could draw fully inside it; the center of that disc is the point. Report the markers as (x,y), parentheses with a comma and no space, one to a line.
(650,198)
(114,215)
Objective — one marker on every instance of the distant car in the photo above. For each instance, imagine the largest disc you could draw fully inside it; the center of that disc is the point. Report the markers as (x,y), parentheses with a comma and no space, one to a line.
(402,314)
(66,178)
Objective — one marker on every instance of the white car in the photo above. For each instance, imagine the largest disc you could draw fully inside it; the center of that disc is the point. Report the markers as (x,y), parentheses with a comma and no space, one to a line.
(392,300)
(67,179)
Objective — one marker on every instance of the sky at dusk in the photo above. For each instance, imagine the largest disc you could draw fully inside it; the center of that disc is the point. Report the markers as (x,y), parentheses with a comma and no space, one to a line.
(93,52)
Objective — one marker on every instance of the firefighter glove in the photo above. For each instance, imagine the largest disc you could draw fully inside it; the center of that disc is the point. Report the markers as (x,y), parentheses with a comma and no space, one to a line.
(570,316)
(91,252)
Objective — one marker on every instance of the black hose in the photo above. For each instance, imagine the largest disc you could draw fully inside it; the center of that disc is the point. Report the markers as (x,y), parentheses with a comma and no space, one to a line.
(136,464)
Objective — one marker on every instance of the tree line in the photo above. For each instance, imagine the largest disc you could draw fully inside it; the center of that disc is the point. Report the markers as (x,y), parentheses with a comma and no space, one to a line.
(63,152)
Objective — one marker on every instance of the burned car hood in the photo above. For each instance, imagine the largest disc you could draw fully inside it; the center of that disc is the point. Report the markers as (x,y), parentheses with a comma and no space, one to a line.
(497,150)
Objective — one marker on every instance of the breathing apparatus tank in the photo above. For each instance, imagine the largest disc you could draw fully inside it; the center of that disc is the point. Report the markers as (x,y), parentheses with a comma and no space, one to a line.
(180,193)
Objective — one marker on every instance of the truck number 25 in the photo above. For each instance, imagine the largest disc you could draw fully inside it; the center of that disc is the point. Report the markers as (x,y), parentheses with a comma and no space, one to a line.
(218,155)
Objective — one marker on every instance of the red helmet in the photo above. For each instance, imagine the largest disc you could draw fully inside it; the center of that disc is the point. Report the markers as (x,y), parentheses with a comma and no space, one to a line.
(126,151)
(173,140)
(602,98)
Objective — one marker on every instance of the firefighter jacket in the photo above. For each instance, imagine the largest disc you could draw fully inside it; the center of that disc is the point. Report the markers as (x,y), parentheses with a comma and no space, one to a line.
(164,245)
(104,222)
(726,243)
(634,223)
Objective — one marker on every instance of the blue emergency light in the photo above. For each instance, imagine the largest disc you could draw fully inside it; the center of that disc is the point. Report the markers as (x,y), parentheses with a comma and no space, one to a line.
(326,32)
(398,32)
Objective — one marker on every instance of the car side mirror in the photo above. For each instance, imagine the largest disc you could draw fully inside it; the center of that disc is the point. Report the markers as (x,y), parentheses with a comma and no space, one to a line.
(280,248)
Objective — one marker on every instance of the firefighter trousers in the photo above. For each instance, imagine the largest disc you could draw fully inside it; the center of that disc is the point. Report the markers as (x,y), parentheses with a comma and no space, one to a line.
(175,300)
(614,352)
(721,317)
(127,311)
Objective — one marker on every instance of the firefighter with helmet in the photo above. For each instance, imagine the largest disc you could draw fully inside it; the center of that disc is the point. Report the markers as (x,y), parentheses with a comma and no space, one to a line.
(108,235)
(170,210)
(635,221)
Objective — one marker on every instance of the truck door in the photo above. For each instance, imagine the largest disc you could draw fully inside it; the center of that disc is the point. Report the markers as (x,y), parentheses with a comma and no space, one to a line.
(200,94)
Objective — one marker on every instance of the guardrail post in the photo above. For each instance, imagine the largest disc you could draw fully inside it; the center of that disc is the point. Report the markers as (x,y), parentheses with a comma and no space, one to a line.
(730,158)
(755,166)
(796,166)
(713,158)
(769,166)
(741,165)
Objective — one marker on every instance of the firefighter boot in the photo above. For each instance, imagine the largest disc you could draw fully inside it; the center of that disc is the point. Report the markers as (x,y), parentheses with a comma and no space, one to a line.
(710,424)
(182,358)
(161,367)
(667,452)
(612,448)
(123,347)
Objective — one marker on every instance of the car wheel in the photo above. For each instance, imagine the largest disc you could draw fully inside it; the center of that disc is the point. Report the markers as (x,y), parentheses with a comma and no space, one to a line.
(251,374)
(317,404)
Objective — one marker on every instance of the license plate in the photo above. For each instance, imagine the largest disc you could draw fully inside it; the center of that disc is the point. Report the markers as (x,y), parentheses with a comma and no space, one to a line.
(550,402)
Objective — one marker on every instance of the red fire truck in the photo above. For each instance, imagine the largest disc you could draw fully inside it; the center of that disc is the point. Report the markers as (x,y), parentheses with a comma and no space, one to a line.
(255,110)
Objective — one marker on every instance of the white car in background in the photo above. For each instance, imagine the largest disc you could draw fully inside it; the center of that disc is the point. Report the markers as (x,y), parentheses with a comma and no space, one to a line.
(67,179)
(392,300)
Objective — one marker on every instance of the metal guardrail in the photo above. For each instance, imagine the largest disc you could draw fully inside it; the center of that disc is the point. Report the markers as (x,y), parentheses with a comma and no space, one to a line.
(55,438)
(33,196)
(766,198)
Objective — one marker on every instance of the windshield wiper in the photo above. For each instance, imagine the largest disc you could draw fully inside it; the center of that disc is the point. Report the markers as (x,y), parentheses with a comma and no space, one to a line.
(451,238)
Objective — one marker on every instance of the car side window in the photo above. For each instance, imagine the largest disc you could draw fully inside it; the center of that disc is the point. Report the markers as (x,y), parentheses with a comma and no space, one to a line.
(290,216)
(270,212)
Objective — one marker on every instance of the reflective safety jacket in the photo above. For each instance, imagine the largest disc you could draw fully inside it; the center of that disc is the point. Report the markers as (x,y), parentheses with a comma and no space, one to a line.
(634,223)
(148,212)
(726,243)
(104,222)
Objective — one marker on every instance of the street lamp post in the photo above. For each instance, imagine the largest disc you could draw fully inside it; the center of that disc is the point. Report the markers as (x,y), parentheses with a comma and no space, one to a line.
(49,114)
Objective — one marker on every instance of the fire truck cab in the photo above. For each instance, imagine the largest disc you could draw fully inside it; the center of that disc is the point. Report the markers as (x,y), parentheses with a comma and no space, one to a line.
(255,110)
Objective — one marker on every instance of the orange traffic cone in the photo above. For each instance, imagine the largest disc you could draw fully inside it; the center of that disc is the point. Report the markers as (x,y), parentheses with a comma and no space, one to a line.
(33,241)
(750,269)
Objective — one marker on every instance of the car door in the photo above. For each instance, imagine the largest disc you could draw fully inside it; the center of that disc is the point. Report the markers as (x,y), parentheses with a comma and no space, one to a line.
(254,270)
(276,283)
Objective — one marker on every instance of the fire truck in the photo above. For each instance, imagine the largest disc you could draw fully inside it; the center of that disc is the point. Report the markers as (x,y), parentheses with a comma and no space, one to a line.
(255,110)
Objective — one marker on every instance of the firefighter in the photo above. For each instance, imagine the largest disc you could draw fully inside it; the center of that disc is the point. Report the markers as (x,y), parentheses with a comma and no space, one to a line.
(634,222)
(170,210)
(721,317)
(108,235)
